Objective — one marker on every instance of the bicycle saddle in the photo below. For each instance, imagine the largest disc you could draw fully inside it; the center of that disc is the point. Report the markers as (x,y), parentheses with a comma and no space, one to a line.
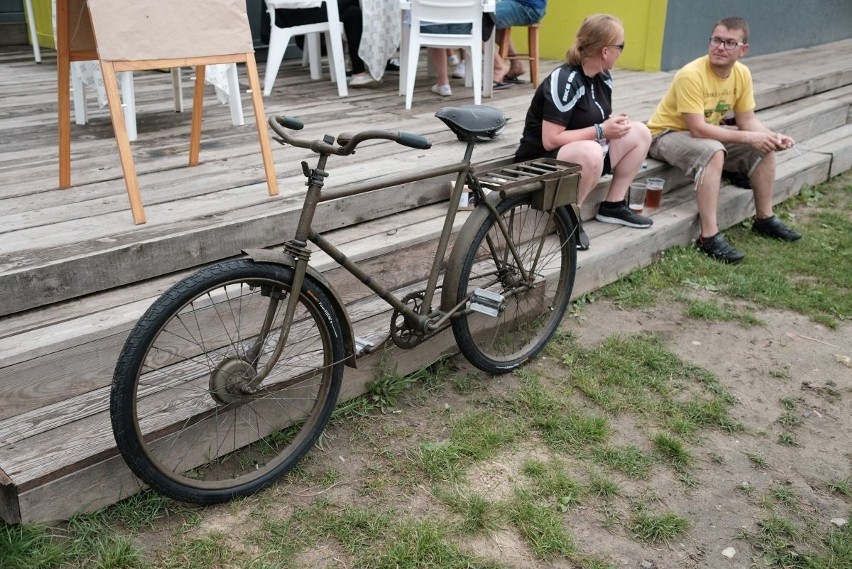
(473,122)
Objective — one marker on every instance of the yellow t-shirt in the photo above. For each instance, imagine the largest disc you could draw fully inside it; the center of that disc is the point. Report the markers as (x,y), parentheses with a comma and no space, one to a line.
(696,89)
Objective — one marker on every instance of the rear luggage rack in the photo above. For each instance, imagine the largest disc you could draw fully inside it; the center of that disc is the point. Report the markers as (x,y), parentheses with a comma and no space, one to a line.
(550,178)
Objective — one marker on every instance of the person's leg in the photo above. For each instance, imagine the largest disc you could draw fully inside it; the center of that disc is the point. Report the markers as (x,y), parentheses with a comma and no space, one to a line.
(438,57)
(353,26)
(588,155)
(626,155)
(703,160)
(501,68)
(763,185)
(762,179)
(707,189)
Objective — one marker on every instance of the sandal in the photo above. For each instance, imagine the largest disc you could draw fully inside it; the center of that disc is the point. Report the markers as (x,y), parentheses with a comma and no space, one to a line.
(499,85)
(514,79)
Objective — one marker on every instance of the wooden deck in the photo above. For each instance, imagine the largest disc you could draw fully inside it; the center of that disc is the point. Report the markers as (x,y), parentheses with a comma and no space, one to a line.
(76,273)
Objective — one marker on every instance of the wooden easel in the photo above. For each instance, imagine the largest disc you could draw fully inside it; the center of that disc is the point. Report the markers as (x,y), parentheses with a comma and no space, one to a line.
(82,37)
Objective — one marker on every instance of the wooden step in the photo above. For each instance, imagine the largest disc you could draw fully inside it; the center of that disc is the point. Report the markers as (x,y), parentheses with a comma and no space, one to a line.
(57,456)
(82,243)
(42,466)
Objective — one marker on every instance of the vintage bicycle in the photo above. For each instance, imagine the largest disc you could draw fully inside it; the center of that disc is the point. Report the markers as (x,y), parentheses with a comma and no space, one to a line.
(230,376)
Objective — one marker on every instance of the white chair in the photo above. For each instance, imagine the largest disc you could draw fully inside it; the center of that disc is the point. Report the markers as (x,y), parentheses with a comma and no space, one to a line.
(33,33)
(83,73)
(279,38)
(446,12)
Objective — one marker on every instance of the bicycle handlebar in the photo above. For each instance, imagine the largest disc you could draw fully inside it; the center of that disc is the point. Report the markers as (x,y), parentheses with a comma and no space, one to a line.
(346,142)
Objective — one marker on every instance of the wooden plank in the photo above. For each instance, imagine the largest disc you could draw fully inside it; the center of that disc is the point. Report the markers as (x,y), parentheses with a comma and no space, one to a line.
(837,143)
(45,491)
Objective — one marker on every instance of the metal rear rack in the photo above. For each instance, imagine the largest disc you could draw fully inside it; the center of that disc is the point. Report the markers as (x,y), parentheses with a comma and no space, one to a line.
(557,179)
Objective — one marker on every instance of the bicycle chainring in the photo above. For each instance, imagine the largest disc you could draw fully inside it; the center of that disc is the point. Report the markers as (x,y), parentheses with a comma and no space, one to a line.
(401,332)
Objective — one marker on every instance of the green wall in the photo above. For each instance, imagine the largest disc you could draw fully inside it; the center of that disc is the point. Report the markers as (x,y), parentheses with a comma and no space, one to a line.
(644,23)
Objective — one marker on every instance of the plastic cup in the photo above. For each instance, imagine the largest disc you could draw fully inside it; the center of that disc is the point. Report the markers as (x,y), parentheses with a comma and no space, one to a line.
(653,192)
(636,201)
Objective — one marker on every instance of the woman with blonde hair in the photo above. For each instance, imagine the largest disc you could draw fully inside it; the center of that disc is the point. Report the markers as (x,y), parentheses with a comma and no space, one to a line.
(570,118)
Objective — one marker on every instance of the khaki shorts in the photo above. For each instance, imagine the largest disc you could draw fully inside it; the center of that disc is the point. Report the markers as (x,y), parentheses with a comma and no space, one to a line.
(690,154)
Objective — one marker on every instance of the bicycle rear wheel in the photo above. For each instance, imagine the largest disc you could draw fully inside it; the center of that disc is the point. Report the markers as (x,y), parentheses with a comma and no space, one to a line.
(531,308)
(180,414)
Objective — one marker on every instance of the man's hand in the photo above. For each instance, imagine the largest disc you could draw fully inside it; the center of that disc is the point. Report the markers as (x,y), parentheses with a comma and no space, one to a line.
(783,142)
(768,141)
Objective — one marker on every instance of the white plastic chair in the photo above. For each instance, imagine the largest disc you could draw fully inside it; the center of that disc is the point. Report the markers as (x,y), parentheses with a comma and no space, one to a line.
(33,34)
(446,12)
(279,38)
(128,96)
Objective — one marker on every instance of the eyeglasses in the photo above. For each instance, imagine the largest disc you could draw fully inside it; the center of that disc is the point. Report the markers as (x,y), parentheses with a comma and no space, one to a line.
(620,46)
(729,44)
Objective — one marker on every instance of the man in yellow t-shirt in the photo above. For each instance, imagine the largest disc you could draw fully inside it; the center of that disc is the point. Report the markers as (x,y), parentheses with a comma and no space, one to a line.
(690,132)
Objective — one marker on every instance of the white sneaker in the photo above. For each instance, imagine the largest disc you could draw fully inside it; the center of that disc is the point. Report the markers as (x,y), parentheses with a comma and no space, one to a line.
(453,59)
(459,71)
(443,90)
(365,81)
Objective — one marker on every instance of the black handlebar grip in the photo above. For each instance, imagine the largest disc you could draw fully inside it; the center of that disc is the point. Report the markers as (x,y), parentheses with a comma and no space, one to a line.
(413,141)
(290,122)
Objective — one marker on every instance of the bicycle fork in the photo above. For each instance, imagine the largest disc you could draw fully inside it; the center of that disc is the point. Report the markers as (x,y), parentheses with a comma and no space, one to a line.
(297,248)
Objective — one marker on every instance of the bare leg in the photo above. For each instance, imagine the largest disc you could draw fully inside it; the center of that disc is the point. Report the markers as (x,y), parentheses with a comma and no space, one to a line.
(626,155)
(707,195)
(516,68)
(501,68)
(763,184)
(438,56)
(586,153)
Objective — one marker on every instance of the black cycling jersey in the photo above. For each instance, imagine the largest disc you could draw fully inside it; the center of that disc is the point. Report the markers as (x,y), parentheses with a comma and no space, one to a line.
(568,98)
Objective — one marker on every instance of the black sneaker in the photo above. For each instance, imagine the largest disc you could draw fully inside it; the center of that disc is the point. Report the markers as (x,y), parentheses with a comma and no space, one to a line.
(772,227)
(719,249)
(392,65)
(583,242)
(619,213)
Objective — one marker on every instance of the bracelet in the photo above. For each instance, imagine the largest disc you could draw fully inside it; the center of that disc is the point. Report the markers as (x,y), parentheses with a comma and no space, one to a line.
(599,134)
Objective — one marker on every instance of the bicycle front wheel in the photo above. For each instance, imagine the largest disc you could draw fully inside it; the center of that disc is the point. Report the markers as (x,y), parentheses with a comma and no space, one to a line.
(187,417)
(530,291)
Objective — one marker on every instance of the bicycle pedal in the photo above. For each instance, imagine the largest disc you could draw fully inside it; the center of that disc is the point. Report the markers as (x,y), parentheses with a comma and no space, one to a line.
(486,302)
(363,346)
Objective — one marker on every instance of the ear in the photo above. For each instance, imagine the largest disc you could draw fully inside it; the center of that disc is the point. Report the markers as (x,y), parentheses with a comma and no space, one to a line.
(745,50)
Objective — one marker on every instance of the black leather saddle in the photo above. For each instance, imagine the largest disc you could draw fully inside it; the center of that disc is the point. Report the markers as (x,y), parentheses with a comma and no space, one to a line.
(473,122)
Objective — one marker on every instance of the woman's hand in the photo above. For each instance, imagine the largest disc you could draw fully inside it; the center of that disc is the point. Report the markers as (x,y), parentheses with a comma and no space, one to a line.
(616,126)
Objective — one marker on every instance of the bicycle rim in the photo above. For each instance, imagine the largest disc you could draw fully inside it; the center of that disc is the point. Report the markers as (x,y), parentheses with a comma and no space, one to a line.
(532,307)
(183,420)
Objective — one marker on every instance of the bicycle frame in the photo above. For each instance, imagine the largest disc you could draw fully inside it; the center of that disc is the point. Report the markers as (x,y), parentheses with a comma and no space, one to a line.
(315,196)
(428,320)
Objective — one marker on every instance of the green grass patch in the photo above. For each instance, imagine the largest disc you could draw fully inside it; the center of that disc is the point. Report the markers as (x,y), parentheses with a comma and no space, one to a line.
(673,451)
(659,528)
(474,436)
(773,275)
(478,514)
(714,311)
(551,480)
(421,544)
(541,526)
(629,460)
(784,545)
(29,547)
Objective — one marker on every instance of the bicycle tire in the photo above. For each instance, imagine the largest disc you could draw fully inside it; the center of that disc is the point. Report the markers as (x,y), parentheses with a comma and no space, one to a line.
(179,418)
(532,310)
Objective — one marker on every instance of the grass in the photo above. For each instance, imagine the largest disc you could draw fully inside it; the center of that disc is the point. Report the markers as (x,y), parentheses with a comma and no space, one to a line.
(454,463)
(657,528)
(782,278)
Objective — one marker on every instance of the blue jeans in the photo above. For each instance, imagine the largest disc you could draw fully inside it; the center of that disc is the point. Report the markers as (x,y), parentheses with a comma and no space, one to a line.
(445,28)
(510,13)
